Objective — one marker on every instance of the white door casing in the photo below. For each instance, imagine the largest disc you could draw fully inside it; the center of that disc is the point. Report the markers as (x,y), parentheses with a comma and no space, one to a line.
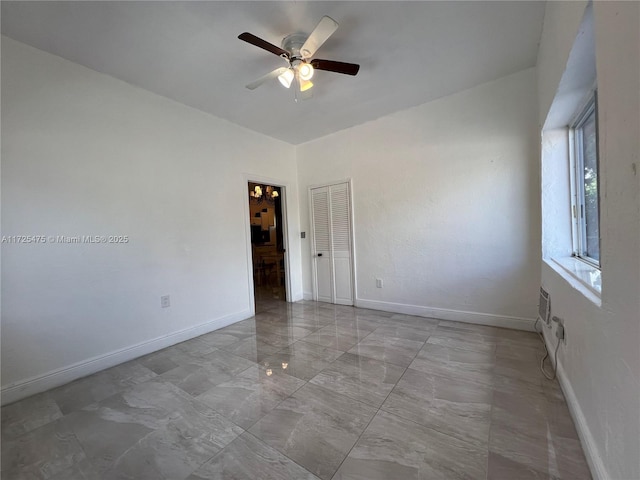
(283,186)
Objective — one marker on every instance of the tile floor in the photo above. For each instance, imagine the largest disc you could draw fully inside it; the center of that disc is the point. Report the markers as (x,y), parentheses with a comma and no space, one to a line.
(307,391)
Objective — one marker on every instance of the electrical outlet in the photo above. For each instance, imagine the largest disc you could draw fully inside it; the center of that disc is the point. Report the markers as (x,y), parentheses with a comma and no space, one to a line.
(378,283)
(165,301)
(560,332)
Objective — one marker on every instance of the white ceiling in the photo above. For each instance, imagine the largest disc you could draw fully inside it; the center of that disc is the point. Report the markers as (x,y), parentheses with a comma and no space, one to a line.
(409,52)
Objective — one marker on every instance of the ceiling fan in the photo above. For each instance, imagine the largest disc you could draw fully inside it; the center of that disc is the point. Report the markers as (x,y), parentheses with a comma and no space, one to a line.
(297,50)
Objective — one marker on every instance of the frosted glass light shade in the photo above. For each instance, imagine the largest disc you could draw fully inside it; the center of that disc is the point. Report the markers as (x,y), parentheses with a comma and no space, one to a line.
(305,71)
(286,78)
(305,85)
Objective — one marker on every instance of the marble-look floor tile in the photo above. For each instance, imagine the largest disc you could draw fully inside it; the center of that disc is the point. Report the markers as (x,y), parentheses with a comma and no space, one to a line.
(173,452)
(394,350)
(82,470)
(220,366)
(183,358)
(520,352)
(534,413)
(240,330)
(471,327)
(331,337)
(27,415)
(314,427)
(536,432)
(319,317)
(308,322)
(346,330)
(501,336)
(287,330)
(99,386)
(520,369)
(219,340)
(501,468)
(264,318)
(346,311)
(556,456)
(457,408)
(349,328)
(247,458)
(249,396)
(413,321)
(302,360)
(361,378)
(273,339)
(394,448)
(41,453)
(357,324)
(515,337)
(462,341)
(407,332)
(283,375)
(107,429)
(466,335)
(252,349)
(159,362)
(195,347)
(452,362)
(523,386)
(305,348)
(286,307)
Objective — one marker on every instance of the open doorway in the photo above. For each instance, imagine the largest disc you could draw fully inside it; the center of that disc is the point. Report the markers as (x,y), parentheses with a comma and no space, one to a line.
(267,244)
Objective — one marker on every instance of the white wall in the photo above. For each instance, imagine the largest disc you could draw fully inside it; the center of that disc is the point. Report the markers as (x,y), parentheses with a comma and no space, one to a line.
(86,154)
(561,23)
(599,366)
(446,204)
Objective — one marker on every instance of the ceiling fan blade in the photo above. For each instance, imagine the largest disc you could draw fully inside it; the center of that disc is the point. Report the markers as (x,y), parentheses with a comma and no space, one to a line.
(275,73)
(320,34)
(333,66)
(258,42)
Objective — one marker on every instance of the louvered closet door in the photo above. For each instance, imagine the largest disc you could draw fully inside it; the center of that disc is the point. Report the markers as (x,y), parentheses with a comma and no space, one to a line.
(322,244)
(332,232)
(341,243)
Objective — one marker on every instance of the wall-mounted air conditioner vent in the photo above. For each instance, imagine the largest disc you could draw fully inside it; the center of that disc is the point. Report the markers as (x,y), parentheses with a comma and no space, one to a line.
(544,307)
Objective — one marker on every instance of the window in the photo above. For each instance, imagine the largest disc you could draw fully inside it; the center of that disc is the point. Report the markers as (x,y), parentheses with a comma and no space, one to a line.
(586,207)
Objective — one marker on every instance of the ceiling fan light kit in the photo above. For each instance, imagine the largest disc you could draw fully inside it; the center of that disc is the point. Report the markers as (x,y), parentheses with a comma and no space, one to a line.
(304,85)
(305,71)
(286,77)
(297,50)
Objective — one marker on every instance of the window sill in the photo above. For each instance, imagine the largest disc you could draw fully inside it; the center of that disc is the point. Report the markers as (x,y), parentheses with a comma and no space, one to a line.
(580,275)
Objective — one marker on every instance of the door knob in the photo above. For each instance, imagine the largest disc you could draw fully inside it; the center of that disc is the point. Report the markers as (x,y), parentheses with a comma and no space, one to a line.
(319,254)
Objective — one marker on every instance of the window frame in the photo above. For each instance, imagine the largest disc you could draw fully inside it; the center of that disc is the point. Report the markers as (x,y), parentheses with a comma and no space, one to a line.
(579,230)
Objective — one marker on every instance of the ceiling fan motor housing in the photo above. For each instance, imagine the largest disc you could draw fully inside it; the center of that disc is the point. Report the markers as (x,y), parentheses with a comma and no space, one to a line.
(293,43)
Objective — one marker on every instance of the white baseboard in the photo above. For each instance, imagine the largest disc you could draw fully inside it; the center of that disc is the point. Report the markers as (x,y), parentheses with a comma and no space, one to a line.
(296,297)
(54,378)
(516,323)
(307,296)
(596,466)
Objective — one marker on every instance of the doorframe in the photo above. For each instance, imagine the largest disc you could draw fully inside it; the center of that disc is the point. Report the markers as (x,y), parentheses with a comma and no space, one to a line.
(354,284)
(284,187)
